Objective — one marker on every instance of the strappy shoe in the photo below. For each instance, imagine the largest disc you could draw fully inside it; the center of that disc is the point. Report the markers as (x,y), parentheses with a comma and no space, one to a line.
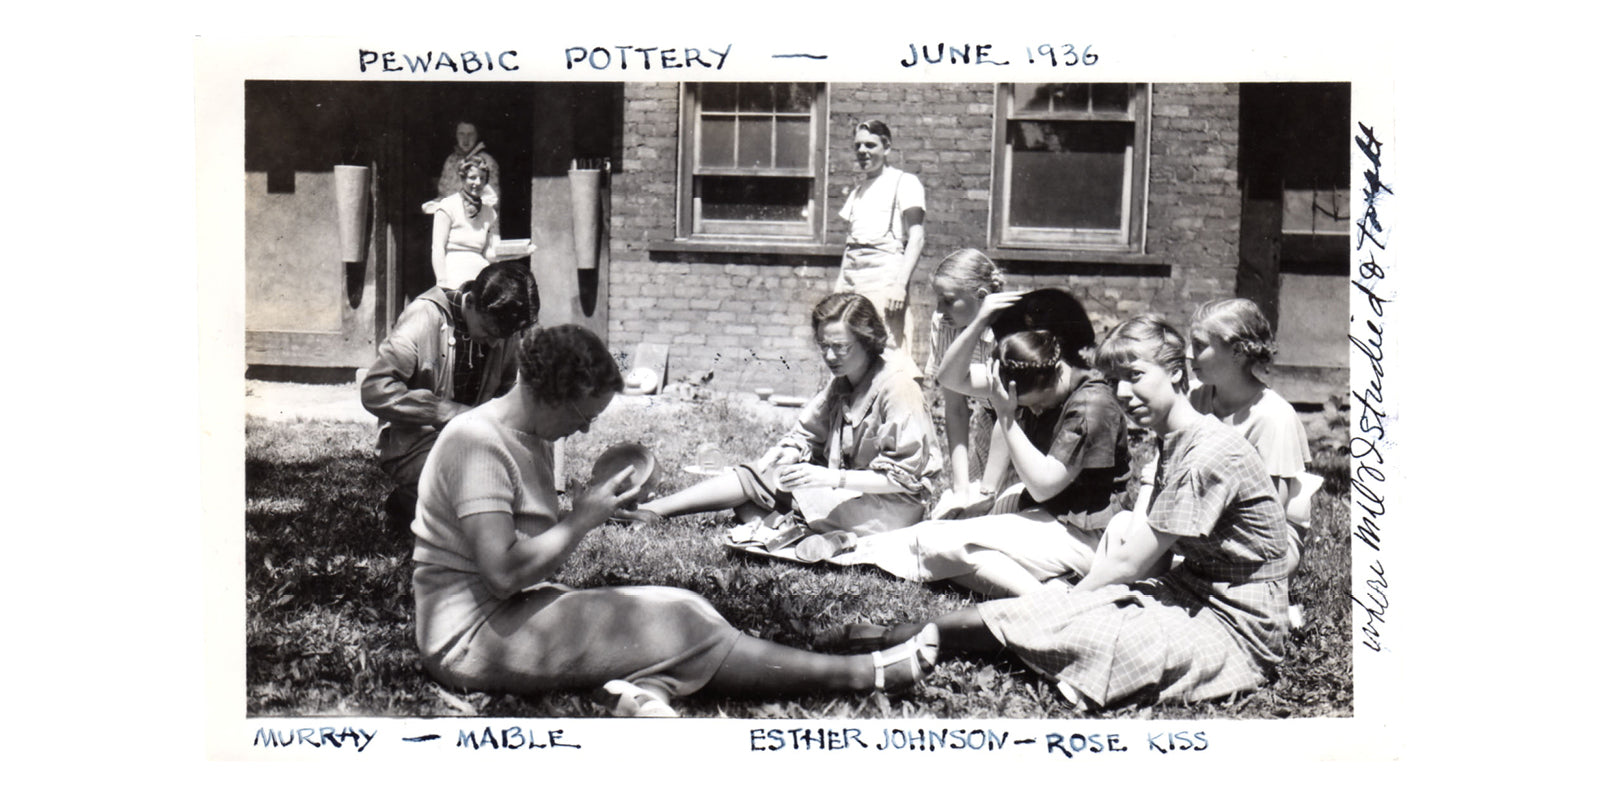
(917,655)
(627,700)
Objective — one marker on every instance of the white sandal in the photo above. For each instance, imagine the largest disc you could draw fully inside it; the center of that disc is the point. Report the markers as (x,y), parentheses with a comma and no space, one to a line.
(921,652)
(628,700)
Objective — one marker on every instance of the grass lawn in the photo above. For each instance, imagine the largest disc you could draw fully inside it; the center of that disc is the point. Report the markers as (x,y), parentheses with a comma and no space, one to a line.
(329,628)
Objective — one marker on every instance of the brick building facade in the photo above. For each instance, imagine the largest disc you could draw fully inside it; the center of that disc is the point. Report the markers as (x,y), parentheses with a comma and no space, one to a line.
(743,313)
(1135,197)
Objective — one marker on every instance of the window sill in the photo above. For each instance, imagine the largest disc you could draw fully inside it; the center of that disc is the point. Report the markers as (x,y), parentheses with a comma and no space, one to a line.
(751,250)
(1082,262)
(750,245)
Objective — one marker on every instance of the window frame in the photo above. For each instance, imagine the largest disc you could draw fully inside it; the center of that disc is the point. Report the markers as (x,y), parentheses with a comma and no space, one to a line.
(1130,237)
(691,224)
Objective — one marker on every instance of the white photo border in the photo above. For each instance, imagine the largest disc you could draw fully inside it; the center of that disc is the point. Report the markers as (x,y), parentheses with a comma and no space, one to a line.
(224,64)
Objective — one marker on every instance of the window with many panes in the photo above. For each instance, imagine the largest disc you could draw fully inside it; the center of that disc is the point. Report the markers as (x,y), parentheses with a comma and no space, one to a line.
(1070,165)
(752,160)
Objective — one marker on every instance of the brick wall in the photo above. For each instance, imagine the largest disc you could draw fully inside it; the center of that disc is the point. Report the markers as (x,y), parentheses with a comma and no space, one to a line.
(748,319)
(1194,204)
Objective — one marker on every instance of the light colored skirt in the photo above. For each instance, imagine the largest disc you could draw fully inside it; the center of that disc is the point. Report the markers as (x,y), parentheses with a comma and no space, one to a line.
(941,549)
(461,266)
(556,637)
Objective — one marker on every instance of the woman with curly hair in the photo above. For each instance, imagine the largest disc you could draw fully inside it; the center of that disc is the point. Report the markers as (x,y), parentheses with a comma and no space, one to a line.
(861,459)
(466,227)
(490,539)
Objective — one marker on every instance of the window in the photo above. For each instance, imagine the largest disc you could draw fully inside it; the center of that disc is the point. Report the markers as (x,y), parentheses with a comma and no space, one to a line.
(1070,165)
(752,160)
(1316,212)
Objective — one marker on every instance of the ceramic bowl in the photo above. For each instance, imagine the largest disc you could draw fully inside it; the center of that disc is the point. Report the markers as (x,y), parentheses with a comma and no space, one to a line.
(619,456)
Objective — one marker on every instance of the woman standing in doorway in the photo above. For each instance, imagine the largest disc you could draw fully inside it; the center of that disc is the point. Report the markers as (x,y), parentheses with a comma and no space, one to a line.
(466,227)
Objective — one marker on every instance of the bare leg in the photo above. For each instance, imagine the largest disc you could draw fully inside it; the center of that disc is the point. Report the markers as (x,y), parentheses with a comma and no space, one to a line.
(716,494)
(959,631)
(965,631)
(762,668)
(996,575)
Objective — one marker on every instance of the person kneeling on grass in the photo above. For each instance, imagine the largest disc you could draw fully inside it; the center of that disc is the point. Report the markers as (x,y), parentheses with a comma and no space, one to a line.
(861,459)
(490,539)
(449,351)
(1212,625)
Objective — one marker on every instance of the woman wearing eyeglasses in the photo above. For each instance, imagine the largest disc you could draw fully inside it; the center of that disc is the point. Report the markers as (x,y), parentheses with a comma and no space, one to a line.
(861,459)
(490,540)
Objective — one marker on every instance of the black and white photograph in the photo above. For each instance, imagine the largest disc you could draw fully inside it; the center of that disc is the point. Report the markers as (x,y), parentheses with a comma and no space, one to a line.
(1005,406)
(710,398)
(842,339)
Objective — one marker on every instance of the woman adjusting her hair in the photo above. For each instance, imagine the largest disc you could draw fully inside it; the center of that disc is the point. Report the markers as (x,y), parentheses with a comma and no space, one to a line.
(1068,443)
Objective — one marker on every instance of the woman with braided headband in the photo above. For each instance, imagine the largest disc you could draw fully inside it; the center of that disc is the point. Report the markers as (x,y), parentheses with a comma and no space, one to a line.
(1068,441)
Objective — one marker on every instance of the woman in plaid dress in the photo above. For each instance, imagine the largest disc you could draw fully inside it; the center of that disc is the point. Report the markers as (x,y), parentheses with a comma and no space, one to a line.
(1211,626)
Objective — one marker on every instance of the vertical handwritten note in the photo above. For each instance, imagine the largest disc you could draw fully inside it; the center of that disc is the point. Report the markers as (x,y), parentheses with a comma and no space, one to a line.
(1369,439)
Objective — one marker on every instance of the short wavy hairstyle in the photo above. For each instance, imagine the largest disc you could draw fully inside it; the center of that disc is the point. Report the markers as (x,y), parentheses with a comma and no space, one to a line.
(1149,337)
(859,317)
(471,162)
(1239,323)
(878,128)
(507,294)
(565,364)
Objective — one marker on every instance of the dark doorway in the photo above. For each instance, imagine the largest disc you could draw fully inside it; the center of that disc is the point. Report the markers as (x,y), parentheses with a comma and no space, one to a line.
(407,129)
(1294,243)
(530,128)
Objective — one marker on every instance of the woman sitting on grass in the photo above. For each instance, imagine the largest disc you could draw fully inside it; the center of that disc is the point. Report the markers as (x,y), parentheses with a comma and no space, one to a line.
(1210,626)
(976,448)
(861,459)
(1069,446)
(489,539)
(1232,346)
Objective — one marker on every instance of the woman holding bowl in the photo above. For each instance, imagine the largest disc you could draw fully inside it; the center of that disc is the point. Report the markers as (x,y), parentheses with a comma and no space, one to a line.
(490,540)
